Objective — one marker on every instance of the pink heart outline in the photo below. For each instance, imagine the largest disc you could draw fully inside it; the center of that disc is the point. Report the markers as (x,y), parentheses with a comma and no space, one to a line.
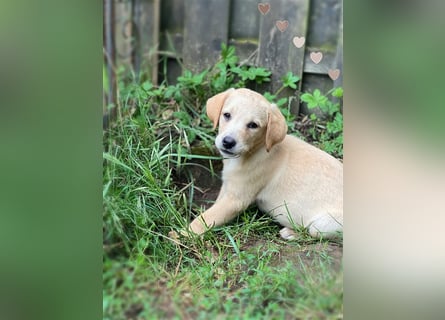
(264,8)
(316,57)
(282,25)
(299,41)
(334,74)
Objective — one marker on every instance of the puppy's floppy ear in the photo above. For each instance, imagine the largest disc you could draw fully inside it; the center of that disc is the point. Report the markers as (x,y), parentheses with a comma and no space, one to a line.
(276,127)
(215,104)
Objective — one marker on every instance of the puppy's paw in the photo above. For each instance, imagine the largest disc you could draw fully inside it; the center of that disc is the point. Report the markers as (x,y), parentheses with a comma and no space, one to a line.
(288,234)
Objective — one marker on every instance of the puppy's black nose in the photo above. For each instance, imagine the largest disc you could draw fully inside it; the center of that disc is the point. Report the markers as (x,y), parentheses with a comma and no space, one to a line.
(228,142)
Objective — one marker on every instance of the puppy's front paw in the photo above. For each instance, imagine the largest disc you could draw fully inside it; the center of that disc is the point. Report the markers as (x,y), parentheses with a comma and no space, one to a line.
(288,234)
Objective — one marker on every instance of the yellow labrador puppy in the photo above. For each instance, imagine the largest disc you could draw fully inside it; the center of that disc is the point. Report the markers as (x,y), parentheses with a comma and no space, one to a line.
(296,183)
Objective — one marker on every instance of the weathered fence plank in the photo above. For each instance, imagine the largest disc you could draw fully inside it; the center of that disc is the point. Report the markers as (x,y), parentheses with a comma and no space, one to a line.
(123,30)
(172,25)
(323,35)
(109,92)
(146,33)
(339,56)
(109,50)
(277,51)
(244,19)
(172,15)
(243,29)
(324,21)
(323,66)
(205,28)
(339,59)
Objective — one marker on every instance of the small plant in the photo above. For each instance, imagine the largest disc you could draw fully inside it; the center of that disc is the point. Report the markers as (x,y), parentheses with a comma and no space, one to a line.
(289,80)
(327,128)
(228,74)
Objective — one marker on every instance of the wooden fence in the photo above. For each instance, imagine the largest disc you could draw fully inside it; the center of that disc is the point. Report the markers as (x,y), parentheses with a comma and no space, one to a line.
(301,36)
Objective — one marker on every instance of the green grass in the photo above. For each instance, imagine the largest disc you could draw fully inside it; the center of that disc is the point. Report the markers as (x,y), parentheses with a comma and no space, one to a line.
(246,286)
(239,271)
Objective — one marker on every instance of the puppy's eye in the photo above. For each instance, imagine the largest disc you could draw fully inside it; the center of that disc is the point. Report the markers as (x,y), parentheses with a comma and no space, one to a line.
(252,125)
(227,116)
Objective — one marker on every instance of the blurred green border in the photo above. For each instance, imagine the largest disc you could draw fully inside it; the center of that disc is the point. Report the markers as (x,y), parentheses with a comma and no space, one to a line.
(51,163)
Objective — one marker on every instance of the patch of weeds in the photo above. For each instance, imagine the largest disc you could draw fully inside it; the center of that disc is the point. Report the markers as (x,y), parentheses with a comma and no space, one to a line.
(327,128)
(289,80)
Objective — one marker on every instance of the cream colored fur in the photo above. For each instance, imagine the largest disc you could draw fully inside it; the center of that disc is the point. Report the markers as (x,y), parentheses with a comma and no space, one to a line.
(296,183)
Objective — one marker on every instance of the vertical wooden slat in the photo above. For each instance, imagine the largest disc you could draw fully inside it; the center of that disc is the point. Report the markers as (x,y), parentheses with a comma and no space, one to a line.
(276,49)
(172,15)
(243,29)
(339,55)
(109,96)
(172,25)
(156,29)
(244,19)
(146,18)
(324,20)
(205,28)
(323,36)
(123,30)
(339,59)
